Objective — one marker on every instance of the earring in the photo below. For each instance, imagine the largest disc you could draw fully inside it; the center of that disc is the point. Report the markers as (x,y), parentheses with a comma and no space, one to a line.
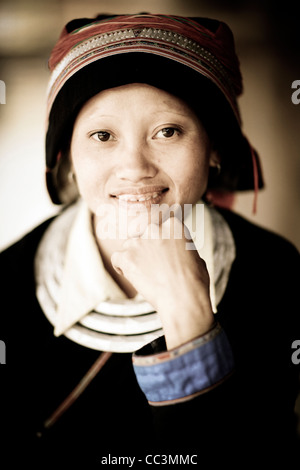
(217,167)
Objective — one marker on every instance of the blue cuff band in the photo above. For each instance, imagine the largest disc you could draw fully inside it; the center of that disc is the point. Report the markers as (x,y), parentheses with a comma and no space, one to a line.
(186,371)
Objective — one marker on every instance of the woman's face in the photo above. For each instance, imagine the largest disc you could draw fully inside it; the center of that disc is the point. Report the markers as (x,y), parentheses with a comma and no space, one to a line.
(137,145)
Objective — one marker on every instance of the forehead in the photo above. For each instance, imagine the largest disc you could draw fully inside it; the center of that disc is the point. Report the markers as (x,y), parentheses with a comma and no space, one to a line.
(137,98)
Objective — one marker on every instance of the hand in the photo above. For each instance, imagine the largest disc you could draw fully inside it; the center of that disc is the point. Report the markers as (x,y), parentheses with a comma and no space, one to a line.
(174,280)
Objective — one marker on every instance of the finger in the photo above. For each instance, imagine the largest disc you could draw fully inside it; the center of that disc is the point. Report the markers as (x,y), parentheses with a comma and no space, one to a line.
(116,261)
(152,232)
(173,228)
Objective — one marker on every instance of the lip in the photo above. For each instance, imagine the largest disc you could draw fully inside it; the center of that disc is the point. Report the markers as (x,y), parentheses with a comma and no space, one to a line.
(143,190)
(148,195)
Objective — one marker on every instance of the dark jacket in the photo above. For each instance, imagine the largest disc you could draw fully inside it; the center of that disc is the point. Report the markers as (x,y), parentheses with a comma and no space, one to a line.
(250,414)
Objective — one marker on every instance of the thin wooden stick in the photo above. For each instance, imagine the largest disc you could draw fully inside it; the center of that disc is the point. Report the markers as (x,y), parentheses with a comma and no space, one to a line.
(78,390)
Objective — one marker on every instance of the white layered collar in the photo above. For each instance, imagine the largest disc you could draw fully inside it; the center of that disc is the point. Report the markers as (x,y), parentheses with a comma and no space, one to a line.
(72,280)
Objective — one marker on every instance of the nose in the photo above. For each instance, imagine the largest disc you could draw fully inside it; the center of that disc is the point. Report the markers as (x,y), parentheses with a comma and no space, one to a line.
(135,164)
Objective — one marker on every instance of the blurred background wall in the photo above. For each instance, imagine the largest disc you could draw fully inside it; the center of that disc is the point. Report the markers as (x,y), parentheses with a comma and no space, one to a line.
(267,42)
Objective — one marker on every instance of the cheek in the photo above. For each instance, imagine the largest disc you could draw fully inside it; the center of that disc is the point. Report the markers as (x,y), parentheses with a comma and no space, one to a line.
(191,177)
(90,177)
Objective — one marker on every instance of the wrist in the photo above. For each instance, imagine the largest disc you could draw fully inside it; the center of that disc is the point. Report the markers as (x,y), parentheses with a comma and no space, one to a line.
(183,323)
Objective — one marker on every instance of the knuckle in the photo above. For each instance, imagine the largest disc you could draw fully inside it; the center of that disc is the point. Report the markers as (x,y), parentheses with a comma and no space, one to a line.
(152,230)
(174,227)
(115,258)
(129,243)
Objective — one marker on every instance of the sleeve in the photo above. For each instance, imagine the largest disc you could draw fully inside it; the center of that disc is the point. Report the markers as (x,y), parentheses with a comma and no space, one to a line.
(170,377)
(189,389)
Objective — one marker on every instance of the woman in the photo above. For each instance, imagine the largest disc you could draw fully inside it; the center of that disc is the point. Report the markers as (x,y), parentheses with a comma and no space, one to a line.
(148,324)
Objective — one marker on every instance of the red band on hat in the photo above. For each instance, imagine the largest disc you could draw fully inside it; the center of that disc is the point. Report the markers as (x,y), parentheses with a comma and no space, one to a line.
(179,39)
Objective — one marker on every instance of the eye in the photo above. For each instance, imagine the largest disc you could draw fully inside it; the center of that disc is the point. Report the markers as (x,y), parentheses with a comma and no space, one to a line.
(167,132)
(101,136)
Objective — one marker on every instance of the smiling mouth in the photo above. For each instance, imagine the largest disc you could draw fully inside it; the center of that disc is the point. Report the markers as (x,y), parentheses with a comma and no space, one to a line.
(142,195)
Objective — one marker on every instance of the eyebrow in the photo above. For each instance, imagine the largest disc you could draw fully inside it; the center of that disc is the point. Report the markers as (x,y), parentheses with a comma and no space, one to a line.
(101,115)
(98,117)
(168,112)
(153,113)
